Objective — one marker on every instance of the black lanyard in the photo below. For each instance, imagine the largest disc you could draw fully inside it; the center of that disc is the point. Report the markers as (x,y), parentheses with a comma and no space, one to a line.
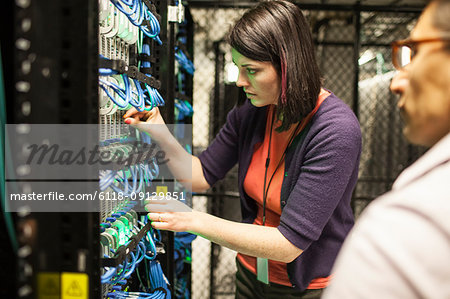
(266,190)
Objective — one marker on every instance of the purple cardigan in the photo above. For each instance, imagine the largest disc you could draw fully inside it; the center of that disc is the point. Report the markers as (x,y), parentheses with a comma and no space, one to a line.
(321,173)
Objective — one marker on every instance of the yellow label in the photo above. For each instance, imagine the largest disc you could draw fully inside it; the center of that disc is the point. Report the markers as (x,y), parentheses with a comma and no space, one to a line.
(161,189)
(48,285)
(74,286)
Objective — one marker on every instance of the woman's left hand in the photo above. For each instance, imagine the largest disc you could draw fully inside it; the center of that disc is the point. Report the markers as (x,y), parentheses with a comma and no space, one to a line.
(170,214)
(255,240)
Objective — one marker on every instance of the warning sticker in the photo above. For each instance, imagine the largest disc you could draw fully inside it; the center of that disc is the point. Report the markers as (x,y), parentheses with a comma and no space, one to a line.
(48,285)
(74,286)
(161,189)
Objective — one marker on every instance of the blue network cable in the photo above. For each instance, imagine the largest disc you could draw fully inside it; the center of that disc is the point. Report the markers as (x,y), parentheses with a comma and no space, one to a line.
(142,252)
(119,275)
(106,179)
(105,278)
(138,295)
(151,242)
(144,172)
(184,62)
(182,255)
(157,278)
(140,104)
(154,97)
(106,72)
(184,109)
(132,268)
(137,15)
(126,96)
(154,30)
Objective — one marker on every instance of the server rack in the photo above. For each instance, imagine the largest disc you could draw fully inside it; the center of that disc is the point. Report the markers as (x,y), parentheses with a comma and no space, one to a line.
(50,52)
(184,73)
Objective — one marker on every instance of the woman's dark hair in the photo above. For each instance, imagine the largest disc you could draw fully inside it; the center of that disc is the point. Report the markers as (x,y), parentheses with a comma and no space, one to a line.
(277,31)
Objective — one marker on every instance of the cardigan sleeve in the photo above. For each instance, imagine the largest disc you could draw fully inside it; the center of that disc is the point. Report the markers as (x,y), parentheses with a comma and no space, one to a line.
(328,173)
(222,154)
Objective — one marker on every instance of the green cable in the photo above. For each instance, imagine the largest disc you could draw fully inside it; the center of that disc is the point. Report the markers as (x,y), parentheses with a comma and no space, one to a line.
(139,277)
(140,43)
(8,218)
(180,82)
(147,275)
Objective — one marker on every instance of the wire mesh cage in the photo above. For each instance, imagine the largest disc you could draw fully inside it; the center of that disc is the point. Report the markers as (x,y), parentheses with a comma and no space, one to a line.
(385,150)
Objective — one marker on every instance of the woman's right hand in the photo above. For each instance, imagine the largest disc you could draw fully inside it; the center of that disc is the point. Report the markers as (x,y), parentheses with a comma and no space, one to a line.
(147,121)
(153,116)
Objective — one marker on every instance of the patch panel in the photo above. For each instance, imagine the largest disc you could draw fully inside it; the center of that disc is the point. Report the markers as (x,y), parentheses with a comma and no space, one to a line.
(123,35)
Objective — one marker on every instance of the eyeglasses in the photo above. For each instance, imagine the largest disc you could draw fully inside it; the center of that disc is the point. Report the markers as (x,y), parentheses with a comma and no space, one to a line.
(403,51)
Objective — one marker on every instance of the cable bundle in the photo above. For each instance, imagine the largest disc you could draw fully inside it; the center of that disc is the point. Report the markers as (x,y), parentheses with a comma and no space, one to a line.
(156,97)
(127,96)
(184,62)
(140,16)
(138,295)
(182,257)
(124,93)
(118,181)
(156,281)
(184,109)
(123,271)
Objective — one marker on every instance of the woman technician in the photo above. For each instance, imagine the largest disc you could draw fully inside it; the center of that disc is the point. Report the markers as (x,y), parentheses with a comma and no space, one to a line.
(298,149)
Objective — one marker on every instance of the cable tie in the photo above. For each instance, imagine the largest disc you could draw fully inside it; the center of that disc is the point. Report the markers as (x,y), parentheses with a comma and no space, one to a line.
(146,58)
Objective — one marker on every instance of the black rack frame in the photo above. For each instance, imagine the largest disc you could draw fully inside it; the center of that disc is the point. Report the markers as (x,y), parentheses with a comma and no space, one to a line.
(40,47)
(51,77)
